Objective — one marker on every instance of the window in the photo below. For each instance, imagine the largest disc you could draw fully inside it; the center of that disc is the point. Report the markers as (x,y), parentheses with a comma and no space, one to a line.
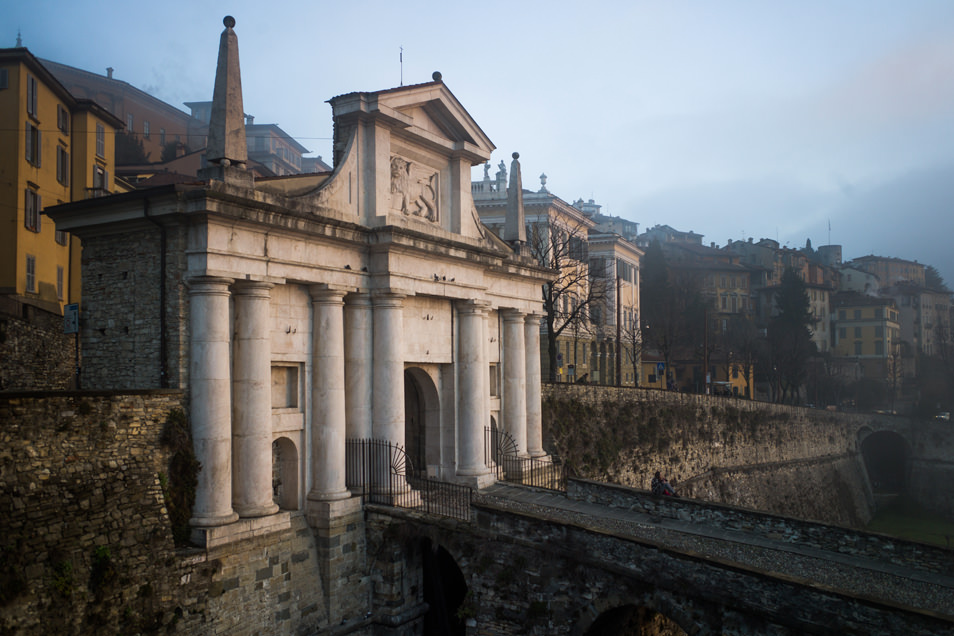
(879,332)
(61,237)
(842,332)
(31,274)
(129,123)
(162,136)
(62,165)
(31,210)
(145,129)
(100,141)
(33,144)
(879,347)
(100,179)
(857,314)
(494,381)
(857,332)
(62,119)
(59,282)
(857,348)
(4,79)
(31,96)
(842,315)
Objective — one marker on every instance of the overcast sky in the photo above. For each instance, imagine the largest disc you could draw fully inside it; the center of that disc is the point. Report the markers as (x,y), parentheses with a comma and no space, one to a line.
(731,119)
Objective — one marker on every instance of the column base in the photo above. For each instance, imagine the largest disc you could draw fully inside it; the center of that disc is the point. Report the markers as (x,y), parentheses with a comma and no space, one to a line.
(478,481)
(315,495)
(246,512)
(240,530)
(212,521)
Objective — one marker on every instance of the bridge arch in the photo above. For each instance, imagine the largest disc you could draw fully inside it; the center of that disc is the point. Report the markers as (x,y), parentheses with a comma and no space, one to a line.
(422,420)
(445,589)
(620,615)
(887,456)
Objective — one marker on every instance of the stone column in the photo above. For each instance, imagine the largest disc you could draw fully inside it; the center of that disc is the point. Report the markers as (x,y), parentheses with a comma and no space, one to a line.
(515,378)
(359,351)
(534,406)
(252,402)
(327,396)
(210,400)
(472,395)
(388,373)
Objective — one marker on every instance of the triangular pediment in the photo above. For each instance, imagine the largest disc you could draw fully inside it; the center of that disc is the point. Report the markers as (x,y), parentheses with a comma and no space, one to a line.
(432,108)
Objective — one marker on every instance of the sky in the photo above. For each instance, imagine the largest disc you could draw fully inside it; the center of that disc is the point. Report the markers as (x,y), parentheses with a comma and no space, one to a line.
(791,120)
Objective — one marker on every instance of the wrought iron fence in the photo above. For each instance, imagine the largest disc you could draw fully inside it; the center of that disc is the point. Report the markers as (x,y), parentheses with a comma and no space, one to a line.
(384,474)
(502,456)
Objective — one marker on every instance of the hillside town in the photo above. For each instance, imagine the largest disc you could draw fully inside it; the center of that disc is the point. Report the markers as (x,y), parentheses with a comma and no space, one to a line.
(404,391)
(876,329)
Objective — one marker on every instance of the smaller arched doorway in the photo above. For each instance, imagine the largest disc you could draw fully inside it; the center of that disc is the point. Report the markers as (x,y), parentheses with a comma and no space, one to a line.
(421,422)
(285,474)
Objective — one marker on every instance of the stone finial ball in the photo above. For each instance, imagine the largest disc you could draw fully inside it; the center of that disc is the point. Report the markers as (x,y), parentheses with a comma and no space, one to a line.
(436,75)
(228,21)
(516,155)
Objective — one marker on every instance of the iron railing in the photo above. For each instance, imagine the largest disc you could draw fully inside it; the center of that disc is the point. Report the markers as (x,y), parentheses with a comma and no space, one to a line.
(382,472)
(502,456)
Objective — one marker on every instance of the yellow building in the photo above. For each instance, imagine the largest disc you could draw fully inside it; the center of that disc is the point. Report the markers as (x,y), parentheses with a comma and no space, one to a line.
(54,149)
(867,330)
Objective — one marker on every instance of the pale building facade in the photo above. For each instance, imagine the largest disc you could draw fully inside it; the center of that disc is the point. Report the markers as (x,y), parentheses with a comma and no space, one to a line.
(297,313)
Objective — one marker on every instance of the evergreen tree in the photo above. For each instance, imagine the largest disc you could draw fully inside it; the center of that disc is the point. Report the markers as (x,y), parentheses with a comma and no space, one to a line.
(790,338)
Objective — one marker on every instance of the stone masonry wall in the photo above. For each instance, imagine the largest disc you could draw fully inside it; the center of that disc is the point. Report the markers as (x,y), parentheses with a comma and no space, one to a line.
(86,540)
(36,354)
(786,460)
(122,350)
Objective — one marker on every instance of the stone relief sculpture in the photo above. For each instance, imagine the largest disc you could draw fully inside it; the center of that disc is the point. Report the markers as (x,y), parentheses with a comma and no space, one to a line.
(414,189)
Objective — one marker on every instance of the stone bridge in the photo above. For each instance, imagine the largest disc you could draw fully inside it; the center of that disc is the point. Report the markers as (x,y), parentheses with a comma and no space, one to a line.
(604,559)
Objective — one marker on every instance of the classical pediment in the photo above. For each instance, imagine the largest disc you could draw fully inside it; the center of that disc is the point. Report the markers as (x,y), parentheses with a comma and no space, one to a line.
(428,111)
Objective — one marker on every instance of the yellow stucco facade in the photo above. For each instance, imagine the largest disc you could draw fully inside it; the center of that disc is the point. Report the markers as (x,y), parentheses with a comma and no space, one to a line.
(54,149)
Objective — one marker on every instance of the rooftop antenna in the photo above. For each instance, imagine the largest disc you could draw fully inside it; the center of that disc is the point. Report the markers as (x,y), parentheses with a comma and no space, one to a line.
(19,39)
(401,57)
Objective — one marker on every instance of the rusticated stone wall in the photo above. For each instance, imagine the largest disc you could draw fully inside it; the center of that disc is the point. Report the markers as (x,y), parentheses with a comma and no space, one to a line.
(791,461)
(86,540)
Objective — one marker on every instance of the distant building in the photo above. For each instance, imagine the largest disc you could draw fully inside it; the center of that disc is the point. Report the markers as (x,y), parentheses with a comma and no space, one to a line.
(54,148)
(867,330)
(146,119)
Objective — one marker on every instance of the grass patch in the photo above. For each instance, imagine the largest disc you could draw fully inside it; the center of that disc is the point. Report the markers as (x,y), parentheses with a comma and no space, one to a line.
(905,519)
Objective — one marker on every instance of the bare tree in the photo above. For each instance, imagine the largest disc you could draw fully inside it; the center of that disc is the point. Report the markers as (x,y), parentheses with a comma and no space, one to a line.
(568,298)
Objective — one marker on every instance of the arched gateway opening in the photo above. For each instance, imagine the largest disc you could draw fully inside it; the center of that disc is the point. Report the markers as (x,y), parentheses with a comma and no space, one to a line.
(421,422)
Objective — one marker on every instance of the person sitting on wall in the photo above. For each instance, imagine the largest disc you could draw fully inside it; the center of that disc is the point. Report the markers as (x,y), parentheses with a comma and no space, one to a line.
(661,487)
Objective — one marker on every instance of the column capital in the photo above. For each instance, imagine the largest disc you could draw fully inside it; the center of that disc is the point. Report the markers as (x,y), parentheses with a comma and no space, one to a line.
(512,315)
(252,288)
(208,285)
(478,307)
(323,292)
(358,299)
(388,297)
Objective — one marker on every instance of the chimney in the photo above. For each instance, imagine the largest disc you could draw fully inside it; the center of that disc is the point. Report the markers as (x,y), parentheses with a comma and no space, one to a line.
(109,72)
